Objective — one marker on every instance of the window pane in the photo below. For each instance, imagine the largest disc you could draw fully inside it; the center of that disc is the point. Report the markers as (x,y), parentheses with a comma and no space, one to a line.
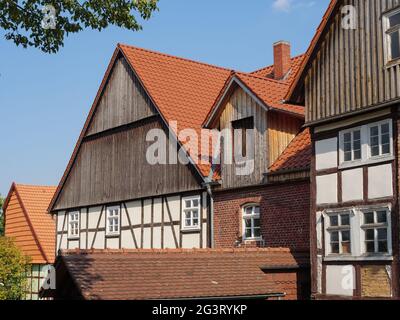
(248,223)
(188,204)
(249,210)
(347,138)
(195,214)
(394,20)
(347,156)
(195,222)
(334,236)
(370,234)
(346,247)
(382,234)
(368,218)
(257,232)
(381,216)
(248,233)
(386,149)
(334,221)
(370,246)
(385,128)
(394,45)
(357,154)
(257,223)
(335,247)
(357,135)
(195,203)
(187,214)
(256,210)
(345,220)
(374,131)
(382,246)
(345,236)
(188,222)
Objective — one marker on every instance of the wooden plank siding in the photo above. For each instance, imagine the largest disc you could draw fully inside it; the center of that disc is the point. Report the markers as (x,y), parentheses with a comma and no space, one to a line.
(113,168)
(241,105)
(123,101)
(281,131)
(349,72)
(17,227)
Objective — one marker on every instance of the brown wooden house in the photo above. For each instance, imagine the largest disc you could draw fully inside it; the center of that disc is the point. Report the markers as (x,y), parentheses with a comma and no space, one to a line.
(349,83)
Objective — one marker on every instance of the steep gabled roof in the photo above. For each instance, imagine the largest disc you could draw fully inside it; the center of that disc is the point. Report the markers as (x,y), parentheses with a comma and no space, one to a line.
(34,201)
(178,274)
(268,72)
(297,155)
(182,90)
(268,92)
(297,83)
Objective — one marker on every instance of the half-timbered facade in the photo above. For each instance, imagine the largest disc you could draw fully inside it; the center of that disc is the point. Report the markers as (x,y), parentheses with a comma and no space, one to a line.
(33,230)
(349,84)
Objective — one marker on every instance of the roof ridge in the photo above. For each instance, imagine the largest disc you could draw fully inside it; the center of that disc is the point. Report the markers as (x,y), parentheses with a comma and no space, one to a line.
(33,185)
(120,45)
(302,55)
(263,78)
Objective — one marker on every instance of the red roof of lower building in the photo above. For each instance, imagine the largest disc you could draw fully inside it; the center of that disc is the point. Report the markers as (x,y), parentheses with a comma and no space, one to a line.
(176,274)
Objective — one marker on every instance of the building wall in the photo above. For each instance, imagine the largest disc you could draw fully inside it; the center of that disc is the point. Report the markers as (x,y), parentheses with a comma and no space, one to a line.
(354,188)
(349,73)
(148,223)
(284,215)
(17,227)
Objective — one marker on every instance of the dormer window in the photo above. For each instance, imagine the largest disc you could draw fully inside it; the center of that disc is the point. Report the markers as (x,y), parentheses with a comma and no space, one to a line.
(240,146)
(392,30)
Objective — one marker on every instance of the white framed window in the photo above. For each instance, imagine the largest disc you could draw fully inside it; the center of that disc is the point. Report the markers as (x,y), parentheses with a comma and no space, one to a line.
(376,231)
(191,213)
(339,233)
(113,221)
(366,144)
(73,224)
(359,233)
(380,139)
(351,142)
(392,35)
(251,222)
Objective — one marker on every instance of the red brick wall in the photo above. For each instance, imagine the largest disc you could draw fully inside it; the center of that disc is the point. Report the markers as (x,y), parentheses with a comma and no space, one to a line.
(284,215)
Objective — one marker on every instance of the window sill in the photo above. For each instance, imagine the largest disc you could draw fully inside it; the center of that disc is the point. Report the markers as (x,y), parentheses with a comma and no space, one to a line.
(112,235)
(73,238)
(334,258)
(355,164)
(252,240)
(192,230)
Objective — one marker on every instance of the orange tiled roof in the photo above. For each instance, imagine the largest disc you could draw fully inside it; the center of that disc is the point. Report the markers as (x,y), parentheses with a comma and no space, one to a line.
(268,72)
(35,201)
(297,155)
(271,92)
(333,5)
(174,274)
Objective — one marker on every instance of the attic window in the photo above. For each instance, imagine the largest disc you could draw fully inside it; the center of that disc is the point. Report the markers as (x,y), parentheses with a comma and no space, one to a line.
(73,224)
(392,30)
(243,125)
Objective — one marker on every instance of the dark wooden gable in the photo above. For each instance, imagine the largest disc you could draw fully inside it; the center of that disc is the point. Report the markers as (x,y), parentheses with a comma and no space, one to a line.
(348,72)
(110,165)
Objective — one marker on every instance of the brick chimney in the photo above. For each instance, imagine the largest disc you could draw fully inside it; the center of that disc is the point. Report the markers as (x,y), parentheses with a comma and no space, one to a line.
(281,59)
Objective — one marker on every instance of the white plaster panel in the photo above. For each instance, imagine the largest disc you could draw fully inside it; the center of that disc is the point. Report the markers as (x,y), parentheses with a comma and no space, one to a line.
(64,240)
(380,181)
(60,220)
(83,240)
(58,242)
(73,244)
(319,274)
(83,217)
(135,212)
(327,189)
(147,238)
(204,235)
(157,210)
(352,185)
(174,207)
(326,154)
(147,211)
(94,214)
(340,280)
(190,241)
(138,236)
(319,229)
(127,240)
(204,205)
(169,242)
(113,243)
(157,237)
(99,242)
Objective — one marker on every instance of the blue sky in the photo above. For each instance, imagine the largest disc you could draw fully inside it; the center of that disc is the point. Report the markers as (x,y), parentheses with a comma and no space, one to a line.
(44,99)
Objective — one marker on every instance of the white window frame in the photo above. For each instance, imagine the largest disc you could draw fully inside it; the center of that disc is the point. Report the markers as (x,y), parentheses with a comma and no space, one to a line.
(387,41)
(357,234)
(185,209)
(329,229)
(251,217)
(341,139)
(71,221)
(375,226)
(379,125)
(110,210)
(366,157)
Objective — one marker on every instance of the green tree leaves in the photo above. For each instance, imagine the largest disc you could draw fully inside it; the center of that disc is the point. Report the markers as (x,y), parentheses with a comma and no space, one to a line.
(23,20)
